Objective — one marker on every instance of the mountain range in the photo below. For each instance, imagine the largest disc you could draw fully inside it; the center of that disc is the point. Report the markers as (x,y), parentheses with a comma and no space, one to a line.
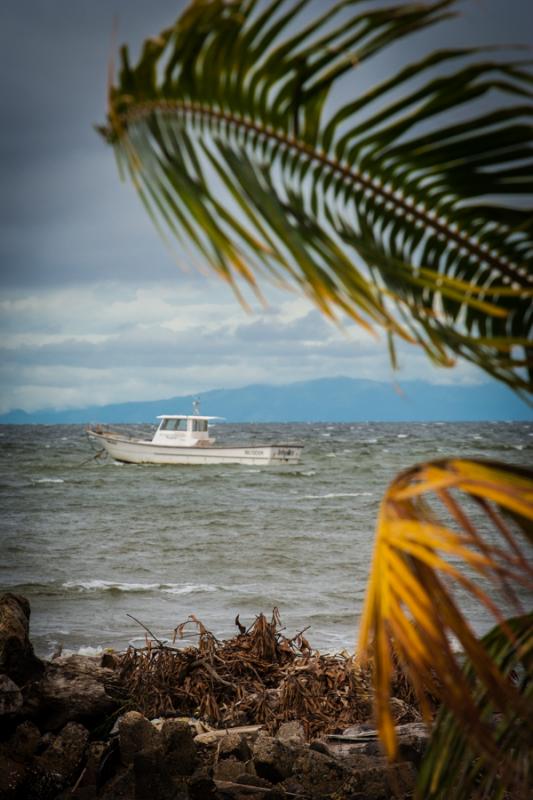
(322,400)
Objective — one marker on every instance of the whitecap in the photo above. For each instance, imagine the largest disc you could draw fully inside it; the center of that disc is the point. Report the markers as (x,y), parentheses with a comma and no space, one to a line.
(402,435)
(371,441)
(124,586)
(85,650)
(331,455)
(309,473)
(49,480)
(332,495)
(109,586)
(191,588)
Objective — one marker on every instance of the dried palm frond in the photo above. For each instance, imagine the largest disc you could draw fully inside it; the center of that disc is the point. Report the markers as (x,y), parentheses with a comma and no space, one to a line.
(412,611)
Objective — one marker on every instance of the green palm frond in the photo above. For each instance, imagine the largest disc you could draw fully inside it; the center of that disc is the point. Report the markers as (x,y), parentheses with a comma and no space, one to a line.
(412,611)
(452,769)
(388,207)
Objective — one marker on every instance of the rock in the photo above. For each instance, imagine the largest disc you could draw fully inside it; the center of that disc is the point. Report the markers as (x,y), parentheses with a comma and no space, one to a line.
(319,774)
(321,747)
(136,734)
(412,741)
(291,733)
(95,752)
(120,787)
(234,745)
(178,746)
(13,776)
(23,743)
(229,769)
(10,696)
(64,756)
(381,782)
(152,776)
(272,759)
(202,787)
(17,659)
(71,690)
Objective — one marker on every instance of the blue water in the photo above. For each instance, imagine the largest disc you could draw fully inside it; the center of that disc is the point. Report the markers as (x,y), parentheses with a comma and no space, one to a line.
(91,541)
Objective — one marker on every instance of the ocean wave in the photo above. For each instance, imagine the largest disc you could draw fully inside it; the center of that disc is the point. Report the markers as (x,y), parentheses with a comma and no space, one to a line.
(191,588)
(120,586)
(331,495)
(48,480)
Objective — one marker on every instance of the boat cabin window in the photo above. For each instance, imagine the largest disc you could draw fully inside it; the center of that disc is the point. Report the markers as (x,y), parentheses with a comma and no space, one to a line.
(199,425)
(173,425)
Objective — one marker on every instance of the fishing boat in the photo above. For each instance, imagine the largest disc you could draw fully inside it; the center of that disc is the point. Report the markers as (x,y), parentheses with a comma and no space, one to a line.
(186,439)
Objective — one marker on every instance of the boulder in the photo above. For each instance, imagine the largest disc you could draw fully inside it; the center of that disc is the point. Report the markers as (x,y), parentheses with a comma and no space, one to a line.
(65,754)
(380,782)
(10,697)
(202,787)
(178,746)
(272,759)
(17,659)
(412,741)
(320,775)
(291,733)
(234,745)
(13,776)
(71,690)
(229,769)
(136,733)
(152,776)
(23,742)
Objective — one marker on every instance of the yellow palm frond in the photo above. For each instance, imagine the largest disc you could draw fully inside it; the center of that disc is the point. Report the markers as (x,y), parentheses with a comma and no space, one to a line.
(447,528)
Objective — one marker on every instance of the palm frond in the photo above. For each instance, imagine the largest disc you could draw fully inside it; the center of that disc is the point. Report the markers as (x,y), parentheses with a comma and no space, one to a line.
(412,609)
(384,208)
(452,769)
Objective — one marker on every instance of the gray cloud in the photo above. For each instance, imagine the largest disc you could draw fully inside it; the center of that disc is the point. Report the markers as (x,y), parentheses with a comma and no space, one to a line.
(76,245)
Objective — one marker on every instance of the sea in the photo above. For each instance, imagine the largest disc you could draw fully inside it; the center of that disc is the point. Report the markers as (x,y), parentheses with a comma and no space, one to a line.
(106,552)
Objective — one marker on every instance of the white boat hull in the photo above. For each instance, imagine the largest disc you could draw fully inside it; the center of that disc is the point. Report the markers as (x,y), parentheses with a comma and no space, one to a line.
(136,451)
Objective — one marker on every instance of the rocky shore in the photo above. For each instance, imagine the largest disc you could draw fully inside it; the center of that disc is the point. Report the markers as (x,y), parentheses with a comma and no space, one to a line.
(134,726)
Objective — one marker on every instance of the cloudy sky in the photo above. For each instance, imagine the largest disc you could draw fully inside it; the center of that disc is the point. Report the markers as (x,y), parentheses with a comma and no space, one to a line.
(94,308)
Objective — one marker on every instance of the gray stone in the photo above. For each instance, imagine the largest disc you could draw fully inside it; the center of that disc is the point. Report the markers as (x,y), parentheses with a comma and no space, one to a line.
(64,756)
(319,774)
(152,776)
(10,696)
(12,777)
(272,759)
(95,751)
(382,782)
(291,733)
(202,787)
(23,743)
(17,659)
(229,769)
(234,745)
(136,733)
(178,746)
(71,690)
(412,741)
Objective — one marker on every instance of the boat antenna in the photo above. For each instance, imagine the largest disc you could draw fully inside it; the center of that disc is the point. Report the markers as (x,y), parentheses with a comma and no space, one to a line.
(196,406)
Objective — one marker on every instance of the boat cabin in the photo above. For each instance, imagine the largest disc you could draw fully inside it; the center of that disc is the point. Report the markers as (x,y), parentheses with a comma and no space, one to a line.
(184,430)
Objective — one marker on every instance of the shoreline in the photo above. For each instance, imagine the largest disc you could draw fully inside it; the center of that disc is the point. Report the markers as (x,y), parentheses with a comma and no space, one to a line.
(258,715)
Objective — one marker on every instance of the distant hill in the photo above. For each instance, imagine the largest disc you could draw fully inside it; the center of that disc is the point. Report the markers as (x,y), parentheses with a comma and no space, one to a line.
(326,399)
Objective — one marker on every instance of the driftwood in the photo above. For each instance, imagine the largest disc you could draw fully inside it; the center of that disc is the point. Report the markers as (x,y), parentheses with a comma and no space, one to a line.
(260,677)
